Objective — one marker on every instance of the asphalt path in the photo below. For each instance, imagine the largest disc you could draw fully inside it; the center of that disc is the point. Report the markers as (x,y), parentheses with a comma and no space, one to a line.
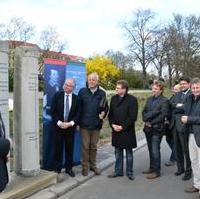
(167,186)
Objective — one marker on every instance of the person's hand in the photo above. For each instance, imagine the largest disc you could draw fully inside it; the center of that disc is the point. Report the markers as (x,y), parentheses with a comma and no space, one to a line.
(101,115)
(148,124)
(60,124)
(184,119)
(117,128)
(66,125)
(179,105)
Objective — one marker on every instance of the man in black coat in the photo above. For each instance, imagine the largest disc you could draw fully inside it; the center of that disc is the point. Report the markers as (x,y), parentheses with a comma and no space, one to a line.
(122,117)
(64,111)
(155,112)
(180,136)
(4,150)
(191,118)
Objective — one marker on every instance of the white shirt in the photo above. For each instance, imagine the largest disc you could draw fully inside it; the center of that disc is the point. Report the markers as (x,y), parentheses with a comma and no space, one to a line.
(70,104)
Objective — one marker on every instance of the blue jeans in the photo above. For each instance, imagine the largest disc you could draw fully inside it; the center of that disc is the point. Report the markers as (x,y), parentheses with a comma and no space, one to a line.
(170,142)
(119,156)
(153,144)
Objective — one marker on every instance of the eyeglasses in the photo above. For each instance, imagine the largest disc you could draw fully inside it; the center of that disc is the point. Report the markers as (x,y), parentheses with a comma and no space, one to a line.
(69,85)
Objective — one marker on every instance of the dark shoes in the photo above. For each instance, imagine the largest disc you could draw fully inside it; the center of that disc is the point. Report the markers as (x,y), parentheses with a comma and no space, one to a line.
(170,163)
(96,171)
(131,178)
(191,190)
(147,171)
(178,173)
(113,175)
(152,176)
(186,177)
(84,172)
(70,172)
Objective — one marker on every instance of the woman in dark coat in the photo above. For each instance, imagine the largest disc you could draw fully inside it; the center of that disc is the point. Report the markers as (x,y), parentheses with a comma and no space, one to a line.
(122,117)
(4,150)
(155,112)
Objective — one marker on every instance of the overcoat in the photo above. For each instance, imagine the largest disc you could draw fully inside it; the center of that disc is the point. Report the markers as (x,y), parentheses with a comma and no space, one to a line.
(4,150)
(123,111)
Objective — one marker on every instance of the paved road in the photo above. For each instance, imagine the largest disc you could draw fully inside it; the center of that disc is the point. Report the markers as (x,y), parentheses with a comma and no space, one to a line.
(167,186)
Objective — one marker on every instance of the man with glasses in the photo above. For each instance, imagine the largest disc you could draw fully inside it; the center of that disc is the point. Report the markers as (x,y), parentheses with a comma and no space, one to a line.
(65,116)
(180,136)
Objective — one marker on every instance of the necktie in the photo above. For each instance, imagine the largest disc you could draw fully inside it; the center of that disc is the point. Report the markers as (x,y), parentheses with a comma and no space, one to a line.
(66,113)
(2,133)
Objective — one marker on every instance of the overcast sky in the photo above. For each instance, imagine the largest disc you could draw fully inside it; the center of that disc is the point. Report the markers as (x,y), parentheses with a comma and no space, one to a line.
(90,26)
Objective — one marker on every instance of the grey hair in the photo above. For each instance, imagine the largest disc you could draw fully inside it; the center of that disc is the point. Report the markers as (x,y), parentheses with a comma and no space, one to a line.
(94,74)
(195,80)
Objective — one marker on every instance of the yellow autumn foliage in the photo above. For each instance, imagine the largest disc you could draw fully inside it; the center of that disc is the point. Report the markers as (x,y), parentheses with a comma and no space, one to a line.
(107,71)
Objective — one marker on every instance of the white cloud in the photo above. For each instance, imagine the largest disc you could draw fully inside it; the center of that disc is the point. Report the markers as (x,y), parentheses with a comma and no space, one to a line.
(89,25)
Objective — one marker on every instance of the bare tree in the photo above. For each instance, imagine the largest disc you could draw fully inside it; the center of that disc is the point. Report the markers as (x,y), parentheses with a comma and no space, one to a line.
(119,59)
(50,40)
(159,51)
(2,31)
(140,34)
(18,29)
(184,44)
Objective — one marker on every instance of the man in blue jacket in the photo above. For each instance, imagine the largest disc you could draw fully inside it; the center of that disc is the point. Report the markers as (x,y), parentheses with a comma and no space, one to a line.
(93,108)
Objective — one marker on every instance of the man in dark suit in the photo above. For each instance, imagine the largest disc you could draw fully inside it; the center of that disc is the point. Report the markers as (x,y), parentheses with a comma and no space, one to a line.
(171,129)
(155,112)
(180,136)
(4,150)
(191,119)
(122,117)
(64,111)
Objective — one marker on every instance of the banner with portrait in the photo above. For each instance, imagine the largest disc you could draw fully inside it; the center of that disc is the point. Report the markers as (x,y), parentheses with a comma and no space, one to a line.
(55,73)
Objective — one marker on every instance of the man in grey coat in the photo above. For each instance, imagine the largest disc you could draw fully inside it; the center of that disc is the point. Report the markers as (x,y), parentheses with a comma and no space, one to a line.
(191,119)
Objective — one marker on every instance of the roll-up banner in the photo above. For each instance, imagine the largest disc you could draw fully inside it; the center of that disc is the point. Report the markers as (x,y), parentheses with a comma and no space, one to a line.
(55,73)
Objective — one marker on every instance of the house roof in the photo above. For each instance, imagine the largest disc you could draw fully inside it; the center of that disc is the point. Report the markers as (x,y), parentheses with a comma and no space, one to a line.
(48,54)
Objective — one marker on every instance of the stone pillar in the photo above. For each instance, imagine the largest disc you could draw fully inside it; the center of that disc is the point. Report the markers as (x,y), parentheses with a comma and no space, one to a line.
(26,111)
(4,95)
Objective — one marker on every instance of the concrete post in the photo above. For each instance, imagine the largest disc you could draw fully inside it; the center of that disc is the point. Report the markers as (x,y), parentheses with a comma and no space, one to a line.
(4,95)
(26,111)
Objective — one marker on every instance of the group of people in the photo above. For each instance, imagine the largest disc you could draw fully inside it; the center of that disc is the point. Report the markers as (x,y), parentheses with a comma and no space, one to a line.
(86,110)
(179,119)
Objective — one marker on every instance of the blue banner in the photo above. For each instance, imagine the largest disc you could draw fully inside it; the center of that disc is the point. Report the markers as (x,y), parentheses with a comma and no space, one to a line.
(55,73)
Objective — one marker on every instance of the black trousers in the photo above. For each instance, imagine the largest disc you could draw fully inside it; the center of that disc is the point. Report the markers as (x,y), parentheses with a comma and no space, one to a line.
(64,143)
(182,152)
